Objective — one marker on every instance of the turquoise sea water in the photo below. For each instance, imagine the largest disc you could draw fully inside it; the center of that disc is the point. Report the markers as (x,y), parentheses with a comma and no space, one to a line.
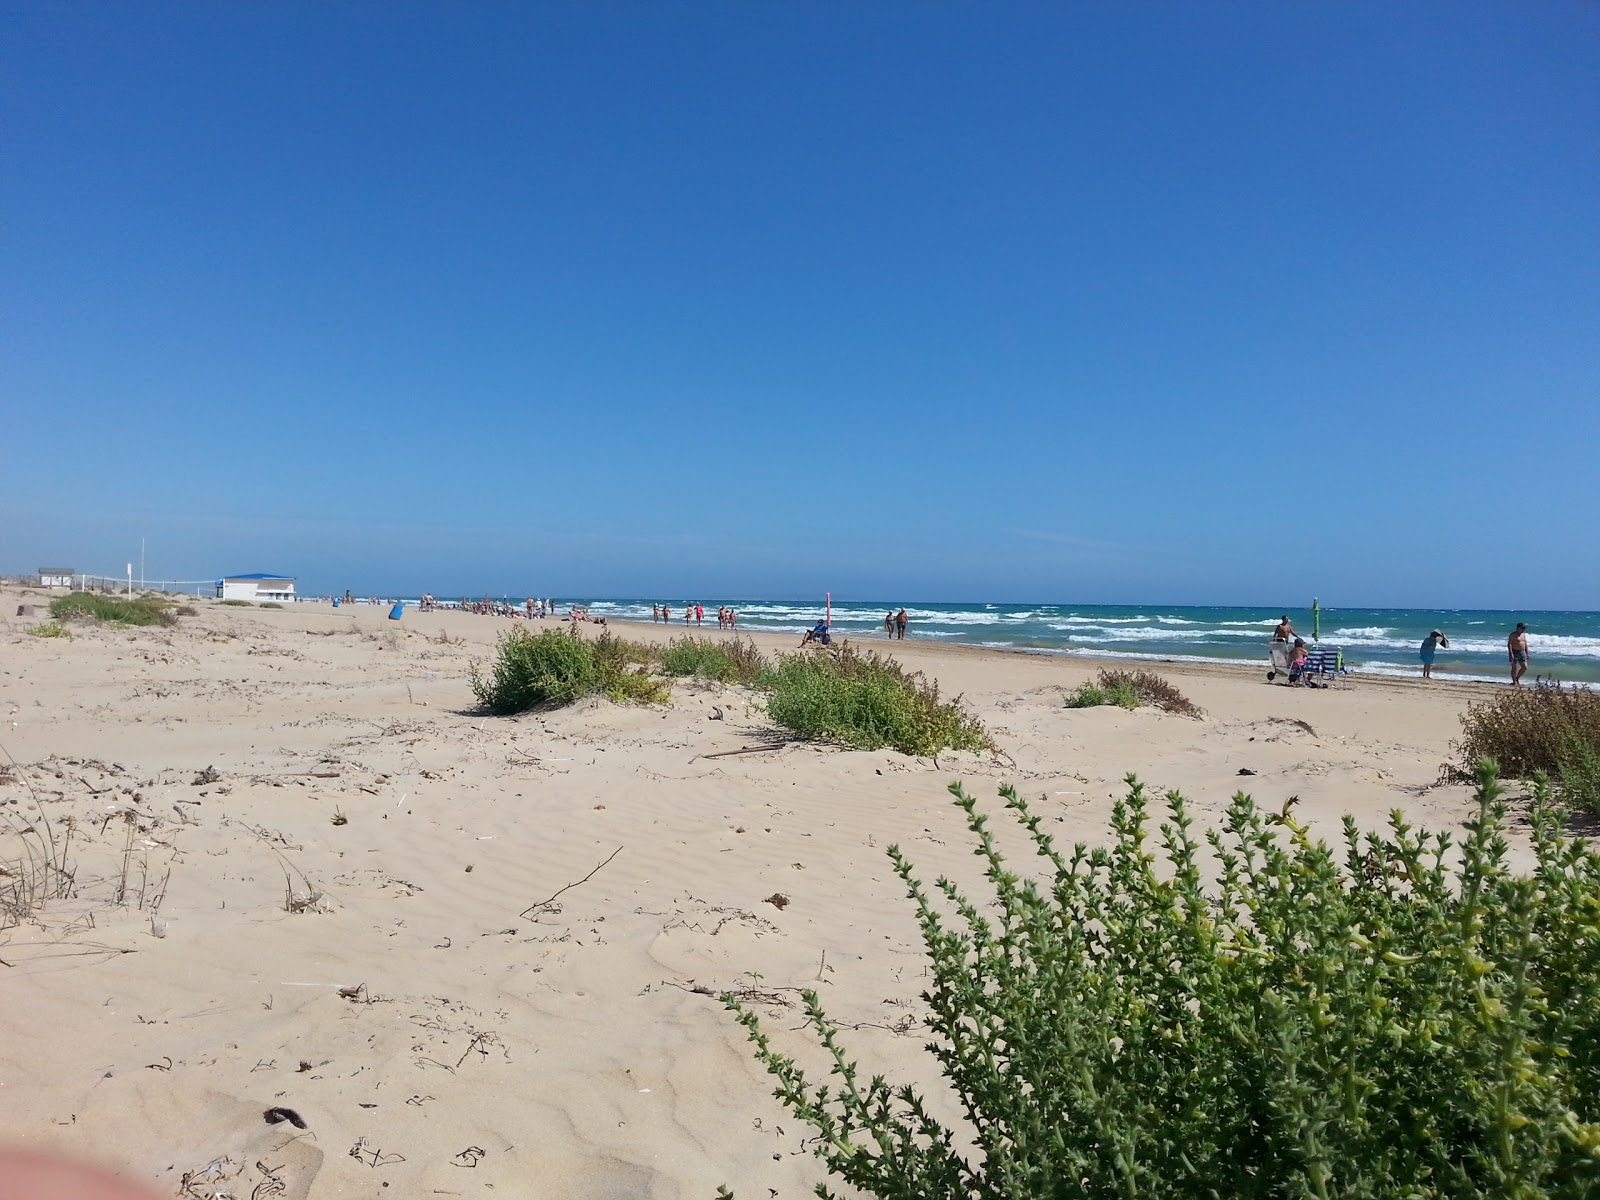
(1385,641)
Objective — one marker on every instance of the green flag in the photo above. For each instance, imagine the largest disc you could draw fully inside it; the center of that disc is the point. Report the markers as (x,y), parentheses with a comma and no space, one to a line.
(1316,620)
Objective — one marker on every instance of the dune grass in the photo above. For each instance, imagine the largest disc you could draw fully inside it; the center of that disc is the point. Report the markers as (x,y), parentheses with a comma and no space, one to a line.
(734,660)
(49,631)
(237,603)
(89,606)
(556,667)
(867,701)
(1546,728)
(1133,689)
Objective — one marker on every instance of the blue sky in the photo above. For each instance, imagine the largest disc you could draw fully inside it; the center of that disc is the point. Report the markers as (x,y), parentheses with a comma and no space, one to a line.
(1185,303)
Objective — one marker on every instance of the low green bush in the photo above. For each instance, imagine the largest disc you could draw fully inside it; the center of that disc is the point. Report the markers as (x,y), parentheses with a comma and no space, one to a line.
(1131,689)
(50,631)
(1546,728)
(1416,1021)
(237,603)
(557,667)
(270,604)
(867,701)
(89,606)
(1096,695)
(732,660)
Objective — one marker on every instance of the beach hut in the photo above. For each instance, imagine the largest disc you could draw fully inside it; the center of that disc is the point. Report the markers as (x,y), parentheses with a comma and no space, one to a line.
(256,588)
(56,576)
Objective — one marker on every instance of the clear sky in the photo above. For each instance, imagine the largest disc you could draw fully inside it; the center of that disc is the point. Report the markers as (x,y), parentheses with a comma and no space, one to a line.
(1184,303)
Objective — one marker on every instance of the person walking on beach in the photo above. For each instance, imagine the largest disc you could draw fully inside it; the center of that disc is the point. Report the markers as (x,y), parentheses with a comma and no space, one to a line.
(1517,652)
(1430,645)
(900,623)
(888,623)
(699,615)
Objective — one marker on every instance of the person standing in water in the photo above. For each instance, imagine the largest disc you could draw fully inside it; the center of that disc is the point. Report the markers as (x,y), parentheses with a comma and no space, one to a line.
(1430,645)
(900,623)
(1517,652)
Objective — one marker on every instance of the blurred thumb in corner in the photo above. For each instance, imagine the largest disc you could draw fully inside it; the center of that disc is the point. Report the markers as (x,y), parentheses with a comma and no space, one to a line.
(28,1176)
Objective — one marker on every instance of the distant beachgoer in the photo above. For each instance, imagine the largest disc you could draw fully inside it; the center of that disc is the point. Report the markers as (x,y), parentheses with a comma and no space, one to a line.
(817,633)
(733,619)
(1517,652)
(699,614)
(888,623)
(528,606)
(1285,631)
(900,623)
(1430,645)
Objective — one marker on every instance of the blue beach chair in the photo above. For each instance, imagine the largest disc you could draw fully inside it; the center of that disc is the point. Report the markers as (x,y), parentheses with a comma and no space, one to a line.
(1325,665)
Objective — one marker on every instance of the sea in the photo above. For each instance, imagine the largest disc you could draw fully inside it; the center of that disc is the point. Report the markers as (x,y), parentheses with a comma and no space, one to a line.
(1379,641)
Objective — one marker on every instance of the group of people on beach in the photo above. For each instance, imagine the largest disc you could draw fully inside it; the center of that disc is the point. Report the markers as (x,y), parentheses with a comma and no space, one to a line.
(530,608)
(1516,650)
(894,624)
(695,614)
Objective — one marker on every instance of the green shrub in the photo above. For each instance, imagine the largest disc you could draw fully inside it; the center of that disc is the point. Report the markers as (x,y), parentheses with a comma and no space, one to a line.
(557,667)
(238,603)
(553,667)
(1095,695)
(87,606)
(1546,728)
(50,631)
(733,660)
(1130,689)
(1578,766)
(270,604)
(615,653)
(187,610)
(1414,1022)
(866,701)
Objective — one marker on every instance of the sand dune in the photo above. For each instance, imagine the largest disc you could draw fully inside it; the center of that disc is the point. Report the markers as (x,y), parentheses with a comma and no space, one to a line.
(310,875)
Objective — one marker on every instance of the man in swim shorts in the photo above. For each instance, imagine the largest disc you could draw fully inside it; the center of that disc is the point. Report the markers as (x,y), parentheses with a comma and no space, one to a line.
(1517,652)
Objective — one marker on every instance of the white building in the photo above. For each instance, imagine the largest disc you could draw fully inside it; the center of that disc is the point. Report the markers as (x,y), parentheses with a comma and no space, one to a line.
(255,588)
(56,577)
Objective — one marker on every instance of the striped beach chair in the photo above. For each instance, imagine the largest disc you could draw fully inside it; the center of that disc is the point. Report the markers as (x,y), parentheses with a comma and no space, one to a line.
(1325,666)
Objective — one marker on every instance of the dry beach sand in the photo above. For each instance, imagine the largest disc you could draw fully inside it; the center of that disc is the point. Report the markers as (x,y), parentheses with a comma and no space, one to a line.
(310,876)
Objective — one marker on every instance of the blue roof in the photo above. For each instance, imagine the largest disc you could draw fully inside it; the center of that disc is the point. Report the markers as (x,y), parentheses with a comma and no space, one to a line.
(258,575)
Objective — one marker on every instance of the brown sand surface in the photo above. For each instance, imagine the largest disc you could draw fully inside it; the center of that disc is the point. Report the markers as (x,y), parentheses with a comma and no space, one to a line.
(304,865)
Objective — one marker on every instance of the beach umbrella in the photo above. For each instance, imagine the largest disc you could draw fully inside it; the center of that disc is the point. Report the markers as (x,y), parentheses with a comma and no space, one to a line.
(1316,620)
